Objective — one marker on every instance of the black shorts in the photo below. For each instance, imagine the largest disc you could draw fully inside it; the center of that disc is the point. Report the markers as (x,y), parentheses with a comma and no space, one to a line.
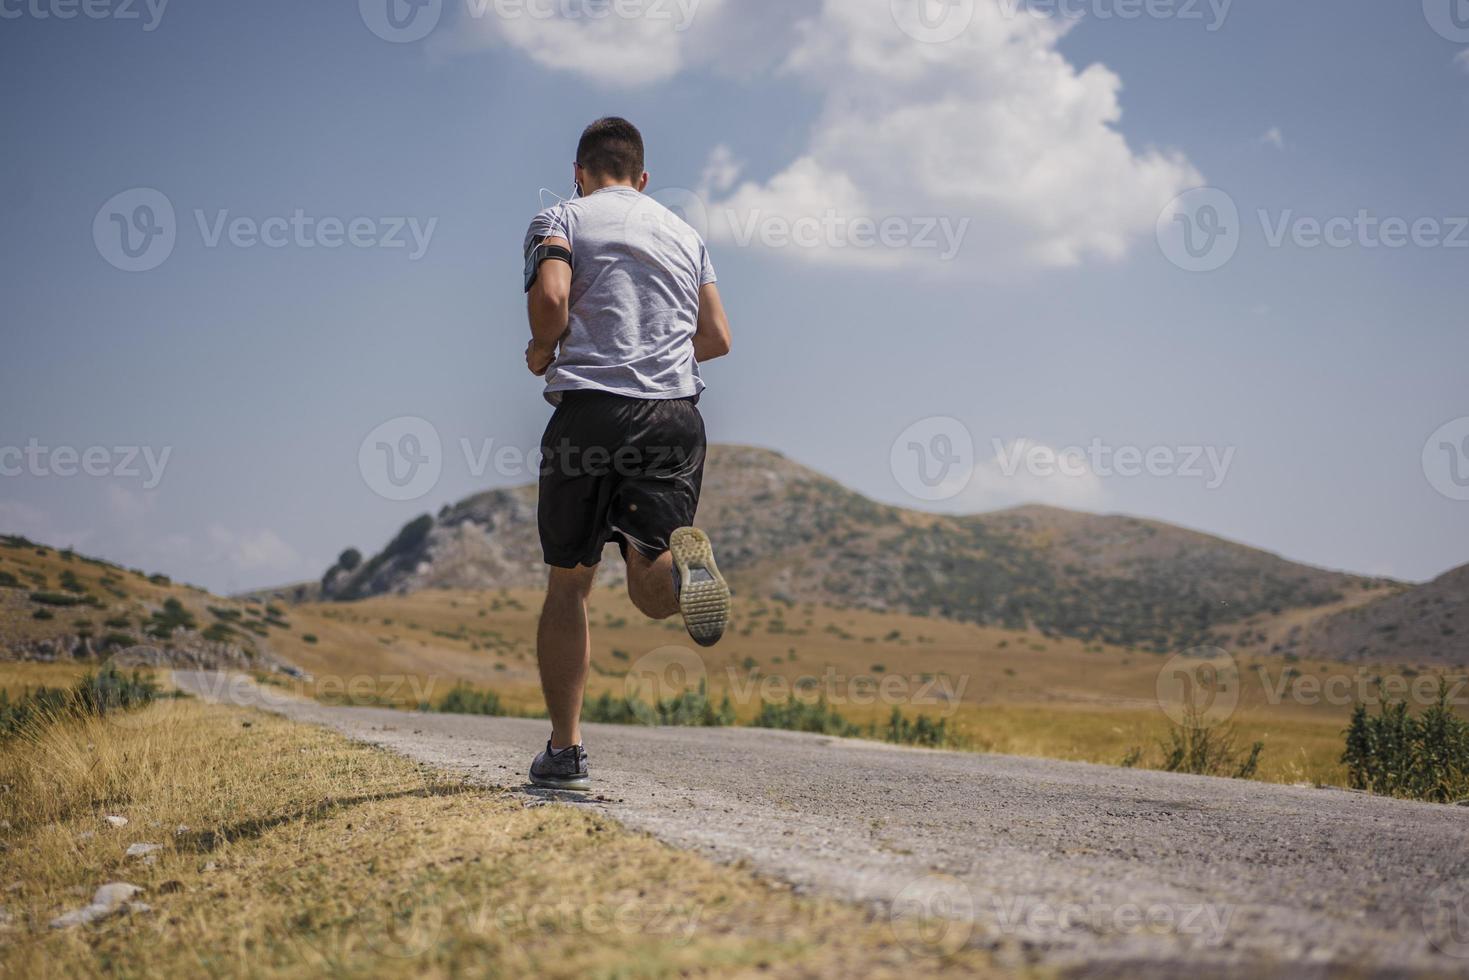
(618,469)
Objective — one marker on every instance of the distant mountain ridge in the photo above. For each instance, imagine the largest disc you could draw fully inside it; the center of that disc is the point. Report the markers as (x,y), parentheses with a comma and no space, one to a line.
(1431,619)
(786,531)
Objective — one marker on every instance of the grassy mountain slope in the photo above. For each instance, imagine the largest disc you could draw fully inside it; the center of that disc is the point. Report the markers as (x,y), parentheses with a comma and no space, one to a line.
(1425,624)
(786,531)
(56,605)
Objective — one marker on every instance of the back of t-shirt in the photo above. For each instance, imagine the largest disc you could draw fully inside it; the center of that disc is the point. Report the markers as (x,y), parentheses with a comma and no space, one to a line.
(636,273)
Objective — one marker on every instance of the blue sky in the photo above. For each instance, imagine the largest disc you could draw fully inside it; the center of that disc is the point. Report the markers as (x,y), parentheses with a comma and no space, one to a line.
(1332,380)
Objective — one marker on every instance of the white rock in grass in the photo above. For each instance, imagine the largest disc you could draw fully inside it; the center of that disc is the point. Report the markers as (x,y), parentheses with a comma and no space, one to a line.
(142,850)
(110,899)
(117,821)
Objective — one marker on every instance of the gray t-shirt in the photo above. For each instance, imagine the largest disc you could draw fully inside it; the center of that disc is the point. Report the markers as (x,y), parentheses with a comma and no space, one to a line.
(636,273)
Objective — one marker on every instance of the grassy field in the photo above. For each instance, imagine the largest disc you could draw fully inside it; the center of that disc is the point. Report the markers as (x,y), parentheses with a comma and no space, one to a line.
(287,851)
(1001,690)
(1005,691)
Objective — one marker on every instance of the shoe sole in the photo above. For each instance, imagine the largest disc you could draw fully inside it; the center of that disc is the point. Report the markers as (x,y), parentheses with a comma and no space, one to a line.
(703,603)
(579,783)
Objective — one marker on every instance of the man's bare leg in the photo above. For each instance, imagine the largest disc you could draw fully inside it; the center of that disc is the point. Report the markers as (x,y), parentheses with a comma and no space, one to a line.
(703,598)
(650,584)
(564,651)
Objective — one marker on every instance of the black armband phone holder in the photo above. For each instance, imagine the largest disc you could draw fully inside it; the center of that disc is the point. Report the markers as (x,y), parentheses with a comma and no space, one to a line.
(540,252)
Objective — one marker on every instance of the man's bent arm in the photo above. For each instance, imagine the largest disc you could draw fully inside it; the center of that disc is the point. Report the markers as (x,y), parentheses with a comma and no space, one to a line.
(549,301)
(711,338)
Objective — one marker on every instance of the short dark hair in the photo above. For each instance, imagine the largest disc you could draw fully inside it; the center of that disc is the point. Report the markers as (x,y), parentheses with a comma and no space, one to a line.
(611,147)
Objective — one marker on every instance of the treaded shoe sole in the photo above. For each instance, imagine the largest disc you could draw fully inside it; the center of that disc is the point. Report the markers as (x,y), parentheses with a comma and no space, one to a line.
(565,782)
(703,595)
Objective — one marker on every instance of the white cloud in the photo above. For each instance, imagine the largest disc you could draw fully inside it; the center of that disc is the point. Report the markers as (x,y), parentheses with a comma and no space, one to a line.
(31,522)
(990,147)
(252,551)
(994,126)
(1274,137)
(648,43)
(1024,471)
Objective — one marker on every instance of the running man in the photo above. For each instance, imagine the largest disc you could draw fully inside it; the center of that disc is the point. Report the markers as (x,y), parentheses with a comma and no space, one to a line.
(623,309)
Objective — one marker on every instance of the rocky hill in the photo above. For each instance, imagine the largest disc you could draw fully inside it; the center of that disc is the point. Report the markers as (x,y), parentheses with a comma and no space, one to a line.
(58,605)
(788,532)
(1426,624)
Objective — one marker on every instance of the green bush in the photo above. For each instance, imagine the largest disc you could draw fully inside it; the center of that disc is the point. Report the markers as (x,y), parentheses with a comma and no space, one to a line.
(690,709)
(1396,754)
(172,616)
(805,716)
(1203,749)
(57,599)
(8,581)
(924,732)
(220,633)
(96,694)
(465,700)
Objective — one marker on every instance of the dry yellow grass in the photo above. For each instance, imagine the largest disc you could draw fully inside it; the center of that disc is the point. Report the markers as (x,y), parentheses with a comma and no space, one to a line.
(1016,692)
(288,851)
(17,678)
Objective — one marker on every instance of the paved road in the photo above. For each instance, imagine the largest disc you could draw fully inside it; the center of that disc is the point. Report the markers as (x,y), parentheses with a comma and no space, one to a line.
(1085,868)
